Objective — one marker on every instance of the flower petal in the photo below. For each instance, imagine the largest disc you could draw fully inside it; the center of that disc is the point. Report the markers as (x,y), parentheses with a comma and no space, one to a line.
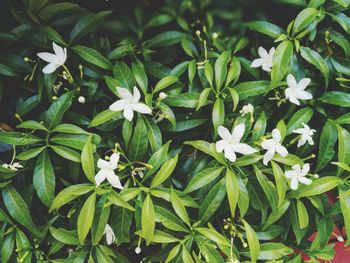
(224,133)
(268,156)
(119,105)
(220,145)
(262,52)
(102,164)
(303,95)
(276,135)
(304,180)
(48,57)
(238,132)
(290,174)
(128,113)
(303,83)
(244,148)
(268,144)
(306,169)
(51,67)
(114,180)
(230,154)
(137,95)
(257,63)
(101,176)
(294,183)
(58,50)
(281,150)
(291,81)
(301,141)
(113,161)
(124,93)
(142,108)
(272,52)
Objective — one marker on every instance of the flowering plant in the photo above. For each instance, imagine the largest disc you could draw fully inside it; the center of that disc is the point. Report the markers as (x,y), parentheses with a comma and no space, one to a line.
(191,132)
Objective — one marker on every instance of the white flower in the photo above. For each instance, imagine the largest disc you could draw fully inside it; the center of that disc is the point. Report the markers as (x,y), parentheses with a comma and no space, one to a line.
(138,250)
(162,95)
(265,60)
(14,166)
(272,146)
(107,171)
(129,103)
(81,99)
(230,143)
(247,109)
(110,236)
(55,60)
(306,135)
(297,175)
(296,90)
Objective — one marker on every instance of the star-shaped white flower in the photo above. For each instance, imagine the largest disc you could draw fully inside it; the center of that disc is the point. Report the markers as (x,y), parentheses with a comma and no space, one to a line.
(14,166)
(107,171)
(265,60)
(296,90)
(272,146)
(298,175)
(55,60)
(306,135)
(129,103)
(230,143)
(110,236)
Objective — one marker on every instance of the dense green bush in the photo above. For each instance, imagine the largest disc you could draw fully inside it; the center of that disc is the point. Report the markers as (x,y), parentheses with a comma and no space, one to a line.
(116,122)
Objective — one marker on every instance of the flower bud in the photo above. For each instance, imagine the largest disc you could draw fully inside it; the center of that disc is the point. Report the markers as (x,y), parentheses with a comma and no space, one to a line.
(81,99)
(198,33)
(162,95)
(138,250)
(26,59)
(214,35)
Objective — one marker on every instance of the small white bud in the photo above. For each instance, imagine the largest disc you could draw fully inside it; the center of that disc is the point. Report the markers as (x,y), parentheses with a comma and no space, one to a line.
(316,176)
(198,33)
(214,35)
(81,99)
(138,250)
(340,238)
(26,59)
(162,95)
(245,245)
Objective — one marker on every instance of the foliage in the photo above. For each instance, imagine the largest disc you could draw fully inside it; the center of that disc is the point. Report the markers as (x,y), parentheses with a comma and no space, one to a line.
(159,176)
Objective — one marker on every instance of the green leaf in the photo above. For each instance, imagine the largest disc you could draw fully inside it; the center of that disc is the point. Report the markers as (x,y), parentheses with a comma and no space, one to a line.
(253,241)
(7,246)
(343,149)
(139,142)
(203,178)
(281,184)
(44,179)
(232,190)
(252,88)
(18,138)
(344,3)
(92,56)
(343,20)
(214,235)
(317,187)
(221,69)
(259,128)
(70,193)
(65,236)
(148,220)
(185,100)
(85,218)
(87,160)
(218,114)
(169,220)
(186,256)
(33,125)
(212,201)
(338,98)
(281,61)
(273,251)
(66,153)
(163,237)
(18,209)
(315,59)
(208,71)
(303,216)
(69,128)
(344,201)
(123,74)
(54,114)
(304,18)
(104,117)
(121,51)
(164,172)
(52,35)
(140,75)
(235,98)
(87,24)
(327,141)
(203,97)
(122,222)
(167,38)
(26,155)
(179,207)
(165,82)
(298,118)
(100,220)
(266,28)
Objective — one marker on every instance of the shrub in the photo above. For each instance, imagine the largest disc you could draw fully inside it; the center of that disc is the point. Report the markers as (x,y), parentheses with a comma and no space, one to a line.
(184,131)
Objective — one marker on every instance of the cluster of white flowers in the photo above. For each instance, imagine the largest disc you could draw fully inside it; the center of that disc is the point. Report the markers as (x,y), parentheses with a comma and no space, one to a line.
(12,166)
(296,90)
(247,109)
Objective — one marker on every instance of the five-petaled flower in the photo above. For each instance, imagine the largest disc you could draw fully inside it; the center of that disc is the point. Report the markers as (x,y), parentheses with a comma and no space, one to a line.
(305,135)
(107,171)
(55,60)
(298,175)
(230,143)
(265,60)
(12,166)
(129,103)
(110,236)
(296,90)
(272,146)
